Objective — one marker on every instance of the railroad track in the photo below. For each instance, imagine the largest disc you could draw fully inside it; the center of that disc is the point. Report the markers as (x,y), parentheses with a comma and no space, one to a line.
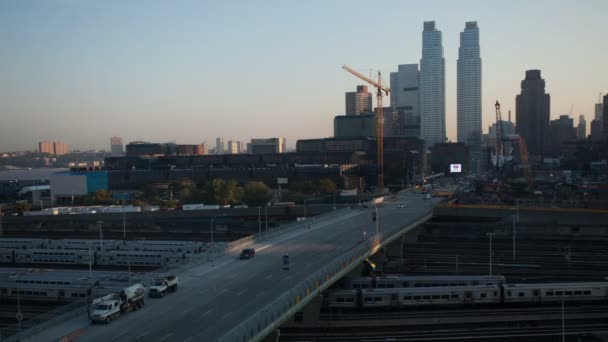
(547,332)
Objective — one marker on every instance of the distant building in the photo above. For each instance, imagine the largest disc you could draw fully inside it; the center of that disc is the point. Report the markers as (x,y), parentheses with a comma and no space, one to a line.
(561,130)
(401,122)
(220,148)
(469,91)
(442,155)
(56,148)
(265,146)
(403,118)
(45,147)
(596,130)
(507,128)
(533,107)
(581,129)
(605,117)
(116,146)
(67,185)
(233,147)
(358,102)
(599,110)
(432,86)
(190,150)
(142,148)
(348,126)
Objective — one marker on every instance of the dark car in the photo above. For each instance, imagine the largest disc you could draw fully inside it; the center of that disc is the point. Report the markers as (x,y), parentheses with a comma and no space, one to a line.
(247,253)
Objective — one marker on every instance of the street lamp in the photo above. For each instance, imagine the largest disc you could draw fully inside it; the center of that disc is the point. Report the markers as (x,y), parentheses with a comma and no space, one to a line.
(377,219)
(260,221)
(491,235)
(100,236)
(124,220)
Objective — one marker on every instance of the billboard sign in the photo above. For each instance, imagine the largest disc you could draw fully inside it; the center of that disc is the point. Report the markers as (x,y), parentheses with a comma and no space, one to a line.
(455,168)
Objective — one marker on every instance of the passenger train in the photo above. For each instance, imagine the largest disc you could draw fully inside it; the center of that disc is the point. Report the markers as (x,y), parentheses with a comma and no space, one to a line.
(415,297)
(399,281)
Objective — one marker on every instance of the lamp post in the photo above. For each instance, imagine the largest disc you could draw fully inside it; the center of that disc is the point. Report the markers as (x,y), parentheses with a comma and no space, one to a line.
(491,235)
(377,219)
(260,221)
(124,220)
(563,321)
(99,223)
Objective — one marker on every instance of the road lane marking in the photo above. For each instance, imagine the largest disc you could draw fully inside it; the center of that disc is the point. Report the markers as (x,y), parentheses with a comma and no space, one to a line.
(166,336)
(187,310)
(207,312)
(262,248)
(188,339)
(223,291)
(259,293)
(240,293)
(228,314)
(142,335)
(268,276)
(119,336)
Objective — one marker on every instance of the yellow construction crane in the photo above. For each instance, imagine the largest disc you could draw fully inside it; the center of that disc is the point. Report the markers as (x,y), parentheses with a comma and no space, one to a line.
(379,119)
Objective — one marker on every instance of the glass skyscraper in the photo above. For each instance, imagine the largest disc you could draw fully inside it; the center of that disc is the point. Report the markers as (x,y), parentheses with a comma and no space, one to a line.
(432,86)
(469,91)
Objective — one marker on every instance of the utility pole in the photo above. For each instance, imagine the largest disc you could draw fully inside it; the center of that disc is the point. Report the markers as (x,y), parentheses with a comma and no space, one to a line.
(491,235)
(377,219)
(124,220)
(259,221)
(100,236)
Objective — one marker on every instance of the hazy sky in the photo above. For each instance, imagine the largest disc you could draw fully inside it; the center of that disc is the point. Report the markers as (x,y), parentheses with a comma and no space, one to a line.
(189,71)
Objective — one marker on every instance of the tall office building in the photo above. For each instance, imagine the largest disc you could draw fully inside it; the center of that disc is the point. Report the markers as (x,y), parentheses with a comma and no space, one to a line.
(469,92)
(358,102)
(233,147)
(432,86)
(605,116)
(581,129)
(599,109)
(219,146)
(533,107)
(116,147)
(403,118)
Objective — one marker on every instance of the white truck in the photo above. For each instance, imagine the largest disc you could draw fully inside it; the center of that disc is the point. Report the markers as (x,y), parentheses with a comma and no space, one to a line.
(163,285)
(107,308)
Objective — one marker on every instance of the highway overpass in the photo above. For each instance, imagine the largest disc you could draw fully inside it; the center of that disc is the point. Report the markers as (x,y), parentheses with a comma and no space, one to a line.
(245,300)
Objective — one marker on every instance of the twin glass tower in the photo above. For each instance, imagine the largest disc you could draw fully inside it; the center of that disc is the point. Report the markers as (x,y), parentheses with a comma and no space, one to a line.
(432,89)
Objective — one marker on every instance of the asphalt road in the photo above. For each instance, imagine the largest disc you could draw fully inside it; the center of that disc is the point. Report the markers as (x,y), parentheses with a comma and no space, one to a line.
(213,299)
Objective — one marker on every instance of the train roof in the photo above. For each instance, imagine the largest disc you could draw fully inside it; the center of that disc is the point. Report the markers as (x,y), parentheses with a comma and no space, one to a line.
(554,285)
(430,289)
(434,278)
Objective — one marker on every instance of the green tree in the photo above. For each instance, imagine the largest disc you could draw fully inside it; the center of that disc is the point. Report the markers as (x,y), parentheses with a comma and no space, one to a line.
(256,193)
(222,192)
(327,186)
(99,197)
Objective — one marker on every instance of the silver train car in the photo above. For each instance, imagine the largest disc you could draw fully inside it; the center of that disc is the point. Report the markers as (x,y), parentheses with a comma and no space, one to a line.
(52,256)
(11,292)
(529,294)
(401,281)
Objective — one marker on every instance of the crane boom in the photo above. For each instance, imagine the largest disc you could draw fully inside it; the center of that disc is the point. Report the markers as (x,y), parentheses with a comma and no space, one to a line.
(386,90)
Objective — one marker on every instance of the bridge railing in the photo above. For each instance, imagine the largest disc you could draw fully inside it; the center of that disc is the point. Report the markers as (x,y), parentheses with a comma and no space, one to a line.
(270,316)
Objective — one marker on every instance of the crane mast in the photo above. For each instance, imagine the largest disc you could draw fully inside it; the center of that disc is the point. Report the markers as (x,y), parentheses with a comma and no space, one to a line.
(379,119)
(499,137)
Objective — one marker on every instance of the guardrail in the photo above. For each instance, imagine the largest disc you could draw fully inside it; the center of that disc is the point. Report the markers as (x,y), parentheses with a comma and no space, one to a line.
(48,319)
(274,314)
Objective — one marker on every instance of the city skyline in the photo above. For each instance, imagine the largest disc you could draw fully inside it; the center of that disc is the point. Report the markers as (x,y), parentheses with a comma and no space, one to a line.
(117,69)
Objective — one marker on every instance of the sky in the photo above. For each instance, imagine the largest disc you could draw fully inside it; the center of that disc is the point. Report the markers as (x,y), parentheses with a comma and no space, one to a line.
(81,71)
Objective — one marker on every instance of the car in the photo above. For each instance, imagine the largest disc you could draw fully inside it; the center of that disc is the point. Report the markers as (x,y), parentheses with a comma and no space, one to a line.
(247,253)
(427,197)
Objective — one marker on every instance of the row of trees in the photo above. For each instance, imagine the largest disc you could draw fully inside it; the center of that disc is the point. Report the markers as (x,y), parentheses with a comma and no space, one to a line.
(219,191)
